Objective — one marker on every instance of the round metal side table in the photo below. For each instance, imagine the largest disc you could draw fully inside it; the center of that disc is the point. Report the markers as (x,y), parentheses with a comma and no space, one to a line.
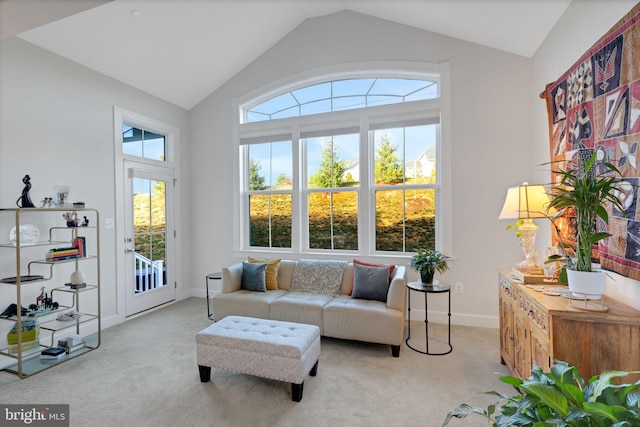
(428,288)
(211,276)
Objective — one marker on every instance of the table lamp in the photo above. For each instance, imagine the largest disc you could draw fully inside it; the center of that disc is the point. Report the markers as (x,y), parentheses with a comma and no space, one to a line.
(527,202)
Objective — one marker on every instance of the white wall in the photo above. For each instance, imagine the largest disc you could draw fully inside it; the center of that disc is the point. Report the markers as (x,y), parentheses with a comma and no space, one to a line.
(582,24)
(56,124)
(491,130)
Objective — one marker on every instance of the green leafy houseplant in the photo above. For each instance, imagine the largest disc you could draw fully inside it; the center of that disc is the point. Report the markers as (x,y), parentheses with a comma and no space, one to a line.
(427,262)
(588,187)
(562,398)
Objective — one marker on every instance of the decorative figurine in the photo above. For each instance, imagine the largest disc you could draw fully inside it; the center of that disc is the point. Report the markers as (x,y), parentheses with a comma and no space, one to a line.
(72,218)
(24,201)
(85,222)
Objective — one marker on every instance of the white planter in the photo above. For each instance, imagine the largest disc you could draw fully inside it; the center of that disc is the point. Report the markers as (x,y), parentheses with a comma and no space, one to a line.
(586,284)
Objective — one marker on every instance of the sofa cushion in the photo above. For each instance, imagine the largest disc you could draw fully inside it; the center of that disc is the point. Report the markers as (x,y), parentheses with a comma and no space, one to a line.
(392,268)
(253,277)
(244,303)
(300,307)
(370,282)
(271,274)
(318,276)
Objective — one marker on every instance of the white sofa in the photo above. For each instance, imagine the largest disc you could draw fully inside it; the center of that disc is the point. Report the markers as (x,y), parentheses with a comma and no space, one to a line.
(337,316)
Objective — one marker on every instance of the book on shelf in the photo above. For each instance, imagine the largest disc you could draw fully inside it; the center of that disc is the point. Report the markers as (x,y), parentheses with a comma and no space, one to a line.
(52,353)
(80,243)
(60,254)
(76,285)
(27,346)
(73,340)
(73,348)
(71,344)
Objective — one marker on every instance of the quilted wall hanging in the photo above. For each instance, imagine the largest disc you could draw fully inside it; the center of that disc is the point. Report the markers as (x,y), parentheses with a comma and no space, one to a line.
(595,107)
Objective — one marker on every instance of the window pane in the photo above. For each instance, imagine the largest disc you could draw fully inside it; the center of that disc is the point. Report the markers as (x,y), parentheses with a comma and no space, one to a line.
(374,101)
(333,220)
(389,156)
(333,161)
(270,220)
(281,220)
(153,146)
(316,107)
(131,141)
(349,103)
(345,220)
(405,215)
(313,93)
(259,160)
(389,220)
(420,219)
(281,170)
(259,220)
(270,165)
(420,146)
(320,221)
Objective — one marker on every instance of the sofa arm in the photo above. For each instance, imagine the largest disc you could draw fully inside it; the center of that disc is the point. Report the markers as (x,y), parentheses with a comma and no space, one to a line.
(232,278)
(397,296)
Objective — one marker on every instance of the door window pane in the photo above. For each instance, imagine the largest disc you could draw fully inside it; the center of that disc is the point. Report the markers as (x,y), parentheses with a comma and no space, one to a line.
(149,233)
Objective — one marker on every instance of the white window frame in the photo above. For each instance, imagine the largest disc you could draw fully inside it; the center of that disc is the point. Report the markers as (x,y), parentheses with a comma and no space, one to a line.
(393,114)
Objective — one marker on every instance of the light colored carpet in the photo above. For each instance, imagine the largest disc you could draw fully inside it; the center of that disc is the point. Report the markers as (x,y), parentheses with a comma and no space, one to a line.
(145,374)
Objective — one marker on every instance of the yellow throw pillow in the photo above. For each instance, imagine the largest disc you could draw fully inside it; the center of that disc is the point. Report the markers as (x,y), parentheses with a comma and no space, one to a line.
(271,275)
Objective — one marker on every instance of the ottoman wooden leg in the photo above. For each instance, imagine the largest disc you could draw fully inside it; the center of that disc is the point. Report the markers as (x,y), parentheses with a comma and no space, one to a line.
(296,391)
(205,373)
(314,370)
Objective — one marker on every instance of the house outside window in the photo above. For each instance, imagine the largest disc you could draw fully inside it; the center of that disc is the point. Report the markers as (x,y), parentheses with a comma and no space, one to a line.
(350,164)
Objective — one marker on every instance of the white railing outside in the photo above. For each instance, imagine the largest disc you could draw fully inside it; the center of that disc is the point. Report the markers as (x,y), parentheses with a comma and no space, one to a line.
(149,274)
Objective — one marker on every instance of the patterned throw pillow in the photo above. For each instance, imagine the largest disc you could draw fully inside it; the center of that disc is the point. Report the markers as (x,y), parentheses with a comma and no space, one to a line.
(392,269)
(253,277)
(271,275)
(370,283)
(318,276)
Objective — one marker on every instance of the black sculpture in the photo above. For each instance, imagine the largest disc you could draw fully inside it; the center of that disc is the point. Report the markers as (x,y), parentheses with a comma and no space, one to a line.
(25,200)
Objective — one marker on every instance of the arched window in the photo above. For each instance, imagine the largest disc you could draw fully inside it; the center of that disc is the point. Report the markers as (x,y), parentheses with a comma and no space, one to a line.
(349,164)
(340,95)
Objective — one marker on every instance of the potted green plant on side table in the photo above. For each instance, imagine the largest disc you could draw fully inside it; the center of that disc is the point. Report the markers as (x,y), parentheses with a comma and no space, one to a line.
(427,262)
(588,186)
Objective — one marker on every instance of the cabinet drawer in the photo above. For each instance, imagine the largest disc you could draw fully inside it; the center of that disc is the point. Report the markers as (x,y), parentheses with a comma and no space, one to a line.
(533,312)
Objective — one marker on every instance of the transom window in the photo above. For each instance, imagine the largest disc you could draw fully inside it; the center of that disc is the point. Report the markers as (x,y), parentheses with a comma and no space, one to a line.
(341,95)
(344,165)
(143,143)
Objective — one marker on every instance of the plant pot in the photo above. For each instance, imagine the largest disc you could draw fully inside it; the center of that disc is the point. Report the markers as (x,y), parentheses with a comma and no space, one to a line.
(586,284)
(426,277)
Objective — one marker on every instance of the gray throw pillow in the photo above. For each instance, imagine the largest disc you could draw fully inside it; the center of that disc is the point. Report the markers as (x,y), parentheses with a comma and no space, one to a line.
(370,283)
(253,276)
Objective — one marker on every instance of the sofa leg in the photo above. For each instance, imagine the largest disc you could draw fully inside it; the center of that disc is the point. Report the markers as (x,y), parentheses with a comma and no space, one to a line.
(395,350)
(205,373)
(296,391)
(314,370)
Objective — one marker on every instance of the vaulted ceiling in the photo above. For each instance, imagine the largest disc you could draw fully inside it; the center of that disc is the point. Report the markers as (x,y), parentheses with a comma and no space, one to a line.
(197,45)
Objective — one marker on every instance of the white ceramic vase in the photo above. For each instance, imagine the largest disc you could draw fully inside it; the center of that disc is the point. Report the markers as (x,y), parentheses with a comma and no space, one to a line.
(586,284)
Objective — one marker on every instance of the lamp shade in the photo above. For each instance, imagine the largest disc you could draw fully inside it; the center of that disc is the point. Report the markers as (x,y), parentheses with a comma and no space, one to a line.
(526,202)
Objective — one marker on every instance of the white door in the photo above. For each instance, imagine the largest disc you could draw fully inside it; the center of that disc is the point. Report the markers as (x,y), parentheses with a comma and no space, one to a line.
(149,237)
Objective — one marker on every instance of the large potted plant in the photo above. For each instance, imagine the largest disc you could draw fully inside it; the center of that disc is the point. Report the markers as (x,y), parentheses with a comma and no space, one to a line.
(589,187)
(427,262)
(561,397)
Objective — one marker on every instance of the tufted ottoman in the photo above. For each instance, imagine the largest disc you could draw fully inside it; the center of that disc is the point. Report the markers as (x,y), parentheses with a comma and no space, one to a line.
(283,351)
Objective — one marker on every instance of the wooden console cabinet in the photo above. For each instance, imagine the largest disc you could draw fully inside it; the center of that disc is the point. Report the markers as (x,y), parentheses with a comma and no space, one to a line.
(537,329)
